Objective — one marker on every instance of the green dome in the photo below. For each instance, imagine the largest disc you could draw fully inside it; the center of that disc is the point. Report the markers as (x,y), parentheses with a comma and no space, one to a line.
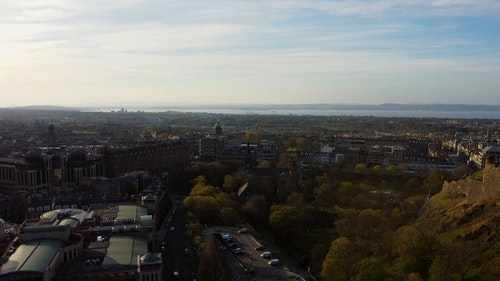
(61,213)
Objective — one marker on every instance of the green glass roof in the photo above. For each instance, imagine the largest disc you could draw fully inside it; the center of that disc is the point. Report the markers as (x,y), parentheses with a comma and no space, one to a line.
(123,250)
(32,256)
(131,211)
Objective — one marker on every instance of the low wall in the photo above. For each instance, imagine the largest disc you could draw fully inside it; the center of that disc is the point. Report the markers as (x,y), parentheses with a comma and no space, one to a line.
(474,189)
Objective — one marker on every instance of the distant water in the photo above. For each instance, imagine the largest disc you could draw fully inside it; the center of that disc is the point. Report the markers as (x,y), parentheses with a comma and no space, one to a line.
(375,113)
(327,112)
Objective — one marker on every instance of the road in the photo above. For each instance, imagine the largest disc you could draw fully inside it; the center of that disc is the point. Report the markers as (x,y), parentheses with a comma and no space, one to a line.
(250,258)
(172,234)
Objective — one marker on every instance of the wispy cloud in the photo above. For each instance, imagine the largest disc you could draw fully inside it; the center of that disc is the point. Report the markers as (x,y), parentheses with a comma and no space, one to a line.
(223,47)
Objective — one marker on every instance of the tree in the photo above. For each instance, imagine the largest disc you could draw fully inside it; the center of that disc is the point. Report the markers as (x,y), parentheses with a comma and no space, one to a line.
(230,184)
(326,195)
(285,221)
(284,217)
(378,169)
(414,277)
(339,263)
(256,211)
(371,225)
(392,169)
(434,182)
(360,168)
(229,216)
(455,261)
(372,269)
(295,199)
(413,184)
(415,249)
(214,266)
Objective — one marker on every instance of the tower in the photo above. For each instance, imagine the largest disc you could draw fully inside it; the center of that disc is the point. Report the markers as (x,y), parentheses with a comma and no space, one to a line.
(52,135)
(218,128)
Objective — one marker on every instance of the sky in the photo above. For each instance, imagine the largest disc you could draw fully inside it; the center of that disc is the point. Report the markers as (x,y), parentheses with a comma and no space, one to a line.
(159,52)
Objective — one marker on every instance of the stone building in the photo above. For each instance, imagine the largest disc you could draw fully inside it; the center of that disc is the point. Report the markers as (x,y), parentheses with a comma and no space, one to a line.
(156,158)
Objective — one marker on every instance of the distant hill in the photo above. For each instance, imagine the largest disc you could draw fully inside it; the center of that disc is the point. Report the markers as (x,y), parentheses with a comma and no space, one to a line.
(43,107)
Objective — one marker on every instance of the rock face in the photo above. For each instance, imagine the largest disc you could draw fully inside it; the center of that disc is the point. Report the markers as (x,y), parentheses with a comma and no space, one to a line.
(486,189)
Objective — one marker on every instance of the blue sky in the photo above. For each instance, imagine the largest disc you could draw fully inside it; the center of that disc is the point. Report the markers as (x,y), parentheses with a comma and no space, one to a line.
(157,52)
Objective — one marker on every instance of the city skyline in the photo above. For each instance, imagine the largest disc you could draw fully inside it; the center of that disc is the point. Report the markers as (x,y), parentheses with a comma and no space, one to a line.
(158,53)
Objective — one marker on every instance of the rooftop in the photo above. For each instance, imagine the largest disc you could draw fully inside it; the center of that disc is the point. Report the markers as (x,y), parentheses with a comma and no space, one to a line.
(33,256)
(123,250)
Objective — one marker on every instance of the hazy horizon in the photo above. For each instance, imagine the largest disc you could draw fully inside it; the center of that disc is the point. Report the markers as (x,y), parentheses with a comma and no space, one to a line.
(143,53)
(455,111)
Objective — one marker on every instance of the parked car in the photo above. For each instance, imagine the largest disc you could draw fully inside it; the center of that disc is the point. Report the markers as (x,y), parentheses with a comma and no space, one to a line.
(265,255)
(242,230)
(274,262)
(260,248)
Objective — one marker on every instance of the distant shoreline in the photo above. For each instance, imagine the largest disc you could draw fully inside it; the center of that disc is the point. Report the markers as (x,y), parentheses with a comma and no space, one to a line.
(456,111)
(383,110)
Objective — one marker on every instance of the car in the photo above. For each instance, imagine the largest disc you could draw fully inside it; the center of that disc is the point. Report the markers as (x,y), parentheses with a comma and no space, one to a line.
(265,255)
(274,262)
(176,275)
(260,248)
(249,271)
(243,230)
(172,228)
(163,248)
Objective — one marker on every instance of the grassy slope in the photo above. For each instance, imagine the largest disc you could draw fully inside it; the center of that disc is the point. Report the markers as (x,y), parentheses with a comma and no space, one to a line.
(466,234)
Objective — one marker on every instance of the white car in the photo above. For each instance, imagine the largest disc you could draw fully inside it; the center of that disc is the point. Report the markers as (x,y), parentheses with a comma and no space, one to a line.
(265,255)
(274,262)
(172,228)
